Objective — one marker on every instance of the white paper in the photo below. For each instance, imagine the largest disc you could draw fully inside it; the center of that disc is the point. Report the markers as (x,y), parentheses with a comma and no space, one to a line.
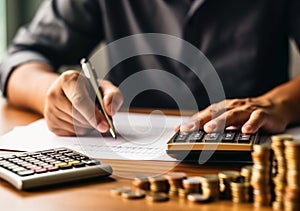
(140,137)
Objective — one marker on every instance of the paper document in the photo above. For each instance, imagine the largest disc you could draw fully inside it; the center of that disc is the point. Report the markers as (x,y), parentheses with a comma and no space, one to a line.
(140,137)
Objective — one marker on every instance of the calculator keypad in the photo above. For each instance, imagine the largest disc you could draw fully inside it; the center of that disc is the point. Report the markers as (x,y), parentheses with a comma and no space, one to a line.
(27,164)
(228,136)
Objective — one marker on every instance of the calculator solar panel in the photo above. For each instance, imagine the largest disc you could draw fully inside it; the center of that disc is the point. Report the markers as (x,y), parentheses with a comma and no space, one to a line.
(227,146)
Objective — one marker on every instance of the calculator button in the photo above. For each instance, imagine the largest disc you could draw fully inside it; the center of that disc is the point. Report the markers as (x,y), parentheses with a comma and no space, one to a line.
(16,169)
(60,164)
(3,162)
(52,168)
(9,157)
(31,166)
(244,138)
(78,165)
(212,137)
(73,162)
(13,159)
(25,173)
(8,164)
(12,167)
(35,168)
(228,137)
(181,137)
(65,167)
(91,162)
(47,166)
(196,136)
(48,152)
(42,170)
(25,164)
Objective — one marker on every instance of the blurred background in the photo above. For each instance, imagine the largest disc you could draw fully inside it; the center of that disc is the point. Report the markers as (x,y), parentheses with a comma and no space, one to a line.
(14,13)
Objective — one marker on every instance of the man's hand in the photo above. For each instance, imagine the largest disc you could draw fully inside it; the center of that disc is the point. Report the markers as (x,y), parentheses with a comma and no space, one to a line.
(249,114)
(70,110)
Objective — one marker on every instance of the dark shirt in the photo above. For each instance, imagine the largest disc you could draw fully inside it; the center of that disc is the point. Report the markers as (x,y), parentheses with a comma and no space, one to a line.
(245,41)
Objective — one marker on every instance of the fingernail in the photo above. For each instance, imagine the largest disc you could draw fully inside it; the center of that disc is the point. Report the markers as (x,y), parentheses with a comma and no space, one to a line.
(211,125)
(247,129)
(188,126)
(102,127)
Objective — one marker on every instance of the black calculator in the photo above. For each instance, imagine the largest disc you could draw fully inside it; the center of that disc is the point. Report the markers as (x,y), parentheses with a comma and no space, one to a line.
(47,167)
(227,146)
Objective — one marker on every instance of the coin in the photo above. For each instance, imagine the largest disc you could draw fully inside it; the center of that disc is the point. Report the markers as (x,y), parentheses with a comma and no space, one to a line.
(119,190)
(197,197)
(157,197)
(175,181)
(192,184)
(141,183)
(210,185)
(240,191)
(225,178)
(158,184)
(134,194)
(261,175)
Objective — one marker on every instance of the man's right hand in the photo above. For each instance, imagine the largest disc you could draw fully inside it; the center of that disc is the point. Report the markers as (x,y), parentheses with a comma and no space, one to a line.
(69,109)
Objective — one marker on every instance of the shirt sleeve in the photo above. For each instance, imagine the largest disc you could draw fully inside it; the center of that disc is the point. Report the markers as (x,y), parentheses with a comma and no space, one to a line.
(61,33)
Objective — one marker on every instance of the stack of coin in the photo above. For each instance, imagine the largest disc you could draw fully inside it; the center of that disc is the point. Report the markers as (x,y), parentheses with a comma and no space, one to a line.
(246,173)
(210,186)
(279,178)
(158,184)
(182,193)
(141,182)
(157,197)
(261,172)
(240,191)
(191,185)
(292,190)
(175,182)
(226,177)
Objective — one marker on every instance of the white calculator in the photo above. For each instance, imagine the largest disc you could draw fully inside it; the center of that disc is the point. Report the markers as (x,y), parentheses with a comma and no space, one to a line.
(48,167)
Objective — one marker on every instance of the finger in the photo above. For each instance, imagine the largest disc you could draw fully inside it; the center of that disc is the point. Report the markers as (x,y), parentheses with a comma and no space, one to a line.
(202,117)
(112,97)
(62,128)
(189,126)
(77,92)
(73,117)
(58,103)
(256,120)
(234,117)
(87,108)
(62,132)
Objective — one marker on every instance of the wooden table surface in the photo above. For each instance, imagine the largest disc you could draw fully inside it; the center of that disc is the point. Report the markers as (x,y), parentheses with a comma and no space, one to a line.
(95,194)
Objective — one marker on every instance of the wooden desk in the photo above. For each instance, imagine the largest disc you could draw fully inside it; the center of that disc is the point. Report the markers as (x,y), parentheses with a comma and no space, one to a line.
(95,194)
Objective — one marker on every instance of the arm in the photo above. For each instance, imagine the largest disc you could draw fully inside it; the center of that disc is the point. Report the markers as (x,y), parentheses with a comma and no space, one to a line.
(64,100)
(271,112)
(61,33)
(28,84)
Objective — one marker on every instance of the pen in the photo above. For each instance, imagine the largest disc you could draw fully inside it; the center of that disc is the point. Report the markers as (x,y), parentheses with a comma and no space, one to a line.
(90,73)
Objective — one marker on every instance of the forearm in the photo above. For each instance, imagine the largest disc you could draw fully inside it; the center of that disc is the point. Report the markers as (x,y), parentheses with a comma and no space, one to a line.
(28,85)
(287,97)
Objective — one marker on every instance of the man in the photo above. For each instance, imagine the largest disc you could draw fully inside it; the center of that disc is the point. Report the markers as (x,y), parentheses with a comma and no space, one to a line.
(246,42)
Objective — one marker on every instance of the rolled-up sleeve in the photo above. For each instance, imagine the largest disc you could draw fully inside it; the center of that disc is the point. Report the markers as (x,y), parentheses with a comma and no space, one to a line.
(61,33)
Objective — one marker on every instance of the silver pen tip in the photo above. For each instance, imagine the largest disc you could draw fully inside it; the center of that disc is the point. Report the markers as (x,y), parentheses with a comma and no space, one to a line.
(113,134)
